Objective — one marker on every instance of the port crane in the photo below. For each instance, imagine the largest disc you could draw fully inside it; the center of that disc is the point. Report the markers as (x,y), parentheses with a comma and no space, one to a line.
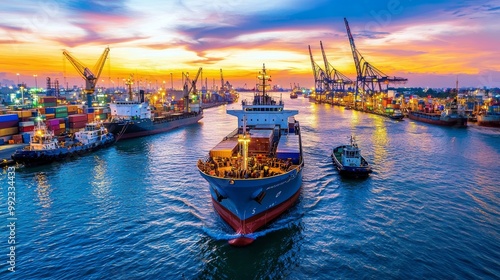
(189,87)
(320,79)
(369,79)
(90,76)
(335,79)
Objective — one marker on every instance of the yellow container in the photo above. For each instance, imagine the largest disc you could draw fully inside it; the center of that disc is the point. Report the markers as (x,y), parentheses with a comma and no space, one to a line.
(9,131)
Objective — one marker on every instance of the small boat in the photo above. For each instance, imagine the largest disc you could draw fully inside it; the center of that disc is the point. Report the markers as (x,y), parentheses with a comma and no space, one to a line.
(349,162)
(44,148)
(293,95)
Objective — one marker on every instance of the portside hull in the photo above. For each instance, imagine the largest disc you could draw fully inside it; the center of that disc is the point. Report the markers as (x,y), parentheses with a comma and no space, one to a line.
(146,127)
(458,122)
(235,199)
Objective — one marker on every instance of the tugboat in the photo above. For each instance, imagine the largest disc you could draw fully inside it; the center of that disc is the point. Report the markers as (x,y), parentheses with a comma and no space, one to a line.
(451,116)
(349,162)
(44,148)
(255,172)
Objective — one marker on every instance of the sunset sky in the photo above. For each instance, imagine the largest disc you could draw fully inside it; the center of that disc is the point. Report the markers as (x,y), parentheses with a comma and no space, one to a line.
(429,42)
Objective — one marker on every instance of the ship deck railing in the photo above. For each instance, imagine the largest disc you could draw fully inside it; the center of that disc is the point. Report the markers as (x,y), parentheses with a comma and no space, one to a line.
(257,168)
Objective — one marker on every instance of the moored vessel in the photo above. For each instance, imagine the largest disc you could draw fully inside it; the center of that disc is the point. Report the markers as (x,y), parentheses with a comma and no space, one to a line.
(130,119)
(490,118)
(349,162)
(255,172)
(450,116)
(45,148)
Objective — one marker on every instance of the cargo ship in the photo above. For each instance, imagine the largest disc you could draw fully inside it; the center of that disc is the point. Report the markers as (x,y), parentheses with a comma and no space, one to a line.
(255,172)
(130,119)
(490,118)
(450,116)
(45,148)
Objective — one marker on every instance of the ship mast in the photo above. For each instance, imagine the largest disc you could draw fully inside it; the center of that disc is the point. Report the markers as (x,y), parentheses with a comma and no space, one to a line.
(244,140)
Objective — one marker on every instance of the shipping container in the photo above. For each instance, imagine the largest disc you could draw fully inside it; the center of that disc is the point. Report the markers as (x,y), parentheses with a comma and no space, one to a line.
(26,128)
(225,149)
(289,148)
(28,123)
(77,118)
(77,124)
(9,131)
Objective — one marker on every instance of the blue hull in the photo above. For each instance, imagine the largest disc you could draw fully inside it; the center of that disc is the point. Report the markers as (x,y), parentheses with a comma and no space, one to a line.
(249,204)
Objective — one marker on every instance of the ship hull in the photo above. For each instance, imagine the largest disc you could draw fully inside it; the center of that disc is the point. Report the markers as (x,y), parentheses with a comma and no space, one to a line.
(488,120)
(431,119)
(236,200)
(34,158)
(144,127)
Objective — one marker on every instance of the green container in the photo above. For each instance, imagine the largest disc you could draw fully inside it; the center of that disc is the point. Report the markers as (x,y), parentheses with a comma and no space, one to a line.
(61,109)
(61,114)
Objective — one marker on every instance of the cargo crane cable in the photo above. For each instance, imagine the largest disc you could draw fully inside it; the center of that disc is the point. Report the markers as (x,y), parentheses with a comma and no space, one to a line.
(90,76)
(334,79)
(120,134)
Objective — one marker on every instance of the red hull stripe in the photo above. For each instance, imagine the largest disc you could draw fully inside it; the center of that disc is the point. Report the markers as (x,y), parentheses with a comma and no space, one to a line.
(254,223)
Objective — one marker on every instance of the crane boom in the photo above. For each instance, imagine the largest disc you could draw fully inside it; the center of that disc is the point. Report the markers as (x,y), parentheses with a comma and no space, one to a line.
(354,50)
(90,76)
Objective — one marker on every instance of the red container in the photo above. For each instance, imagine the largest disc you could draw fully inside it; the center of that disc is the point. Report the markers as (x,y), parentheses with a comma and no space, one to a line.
(26,128)
(77,118)
(8,124)
(77,124)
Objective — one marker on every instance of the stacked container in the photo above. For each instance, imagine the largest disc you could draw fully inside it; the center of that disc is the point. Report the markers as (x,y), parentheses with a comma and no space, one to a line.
(26,126)
(48,101)
(77,122)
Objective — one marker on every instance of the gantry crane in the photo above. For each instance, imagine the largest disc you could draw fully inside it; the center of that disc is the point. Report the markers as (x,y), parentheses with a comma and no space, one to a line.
(369,79)
(90,77)
(320,79)
(335,79)
(189,87)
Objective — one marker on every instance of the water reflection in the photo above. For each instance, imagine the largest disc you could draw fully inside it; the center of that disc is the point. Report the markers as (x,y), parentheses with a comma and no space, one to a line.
(101,185)
(43,189)
(272,256)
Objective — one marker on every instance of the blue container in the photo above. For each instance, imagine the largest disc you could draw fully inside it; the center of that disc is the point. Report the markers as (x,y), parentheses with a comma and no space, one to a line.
(9,117)
(2,141)
(26,137)
(441,107)
(50,110)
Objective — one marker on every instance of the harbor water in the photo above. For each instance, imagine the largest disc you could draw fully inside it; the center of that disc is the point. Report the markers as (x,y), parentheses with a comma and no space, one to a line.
(140,209)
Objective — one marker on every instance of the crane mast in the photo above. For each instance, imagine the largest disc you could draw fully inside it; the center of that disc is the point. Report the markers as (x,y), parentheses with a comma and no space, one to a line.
(369,79)
(189,87)
(320,77)
(90,76)
(335,80)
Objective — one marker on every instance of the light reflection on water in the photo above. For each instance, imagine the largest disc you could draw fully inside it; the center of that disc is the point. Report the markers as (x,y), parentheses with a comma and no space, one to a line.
(139,209)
